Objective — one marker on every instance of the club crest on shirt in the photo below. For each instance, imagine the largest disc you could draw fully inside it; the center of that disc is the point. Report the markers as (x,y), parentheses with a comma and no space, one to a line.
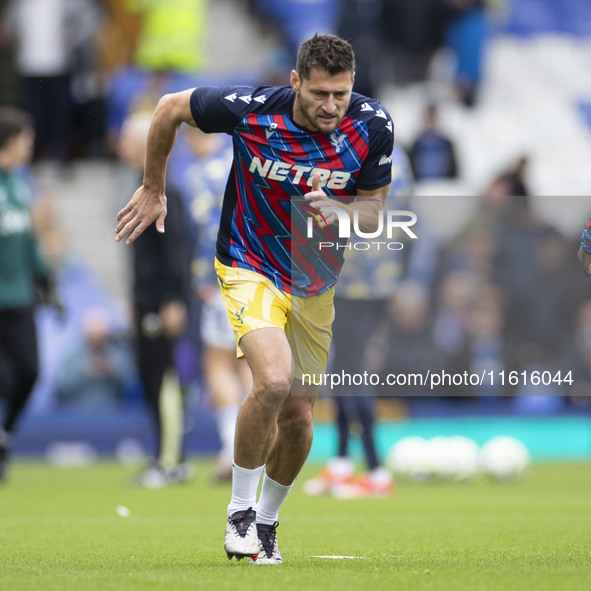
(337,138)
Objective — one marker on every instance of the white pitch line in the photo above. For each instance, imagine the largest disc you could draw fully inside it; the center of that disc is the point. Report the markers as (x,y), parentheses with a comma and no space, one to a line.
(337,557)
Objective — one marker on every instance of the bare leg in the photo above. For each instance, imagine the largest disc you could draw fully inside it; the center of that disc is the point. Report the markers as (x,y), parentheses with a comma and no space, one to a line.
(269,356)
(294,434)
(274,428)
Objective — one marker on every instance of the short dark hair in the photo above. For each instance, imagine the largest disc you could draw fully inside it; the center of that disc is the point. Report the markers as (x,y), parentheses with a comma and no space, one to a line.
(327,53)
(13,121)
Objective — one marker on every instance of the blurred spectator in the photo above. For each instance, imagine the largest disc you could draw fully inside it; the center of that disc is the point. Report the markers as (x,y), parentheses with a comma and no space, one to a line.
(410,346)
(9,93)
(131,90)
(161,271)
(40,30)
(97,372)
(432,154)
(172,36)
(170,51)
(228,379)
(566,288)
(505,253)
(511,182)
(23,270)
(360,23)
(454,296)
(467,34)
(87,86)
(298,20)
(414,31)
(472,250)
(482,350)
(533,330)
(46,220)
(117,36)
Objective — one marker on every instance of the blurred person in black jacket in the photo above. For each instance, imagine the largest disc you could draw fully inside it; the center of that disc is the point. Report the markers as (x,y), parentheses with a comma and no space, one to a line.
(24,274)
(433,154)
(161,292)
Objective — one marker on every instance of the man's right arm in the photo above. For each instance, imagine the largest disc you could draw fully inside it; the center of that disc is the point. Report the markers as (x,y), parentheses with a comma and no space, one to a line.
(148,204)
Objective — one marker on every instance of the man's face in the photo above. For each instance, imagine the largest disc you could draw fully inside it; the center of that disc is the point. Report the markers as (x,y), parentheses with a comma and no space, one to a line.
(20,147)
(321,99)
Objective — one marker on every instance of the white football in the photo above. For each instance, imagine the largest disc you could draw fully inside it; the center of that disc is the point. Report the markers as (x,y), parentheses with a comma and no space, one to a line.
(453,458)
(408,458)
(438,456)
(504,458)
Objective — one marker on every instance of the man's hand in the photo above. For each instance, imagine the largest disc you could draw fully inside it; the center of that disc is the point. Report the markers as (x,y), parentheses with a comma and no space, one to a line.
(585,260)
(365,210)
(318,200)
(143,209)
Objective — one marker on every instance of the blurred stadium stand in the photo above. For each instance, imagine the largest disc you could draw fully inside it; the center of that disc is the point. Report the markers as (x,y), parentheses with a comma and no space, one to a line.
(535,99)
(534,17)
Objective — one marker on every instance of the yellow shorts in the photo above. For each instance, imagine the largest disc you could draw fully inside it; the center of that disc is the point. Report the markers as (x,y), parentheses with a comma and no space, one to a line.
(252,302)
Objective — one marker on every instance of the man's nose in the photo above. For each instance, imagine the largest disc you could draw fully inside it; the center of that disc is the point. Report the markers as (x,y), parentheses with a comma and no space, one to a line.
(330,105)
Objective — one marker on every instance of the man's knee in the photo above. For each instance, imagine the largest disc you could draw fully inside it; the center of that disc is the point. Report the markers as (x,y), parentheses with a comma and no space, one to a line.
(295,424)
(272,387)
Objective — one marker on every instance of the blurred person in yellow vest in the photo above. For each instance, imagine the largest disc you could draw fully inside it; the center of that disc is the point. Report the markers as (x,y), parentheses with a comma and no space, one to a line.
(172,34)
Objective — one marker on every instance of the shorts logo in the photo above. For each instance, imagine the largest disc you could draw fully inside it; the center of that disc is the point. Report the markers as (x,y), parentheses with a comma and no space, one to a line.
(239,315)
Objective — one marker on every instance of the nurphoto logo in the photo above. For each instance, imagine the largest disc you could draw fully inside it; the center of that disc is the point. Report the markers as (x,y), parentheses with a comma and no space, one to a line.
(390,221)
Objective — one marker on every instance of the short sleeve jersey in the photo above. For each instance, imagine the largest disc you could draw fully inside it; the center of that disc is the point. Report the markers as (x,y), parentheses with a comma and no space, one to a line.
(264,218)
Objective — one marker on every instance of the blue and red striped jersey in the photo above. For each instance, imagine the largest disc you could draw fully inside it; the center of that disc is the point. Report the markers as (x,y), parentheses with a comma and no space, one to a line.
(264,216)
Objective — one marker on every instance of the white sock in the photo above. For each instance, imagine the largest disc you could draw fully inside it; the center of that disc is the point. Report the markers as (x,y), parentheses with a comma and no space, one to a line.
(272,496)
(245,484)
(226,422)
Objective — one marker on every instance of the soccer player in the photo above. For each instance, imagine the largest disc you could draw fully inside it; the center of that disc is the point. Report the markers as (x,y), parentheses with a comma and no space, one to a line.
(298,150)
(584,253)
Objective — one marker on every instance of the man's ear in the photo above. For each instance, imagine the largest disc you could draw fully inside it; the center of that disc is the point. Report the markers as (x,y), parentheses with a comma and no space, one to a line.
(294,80)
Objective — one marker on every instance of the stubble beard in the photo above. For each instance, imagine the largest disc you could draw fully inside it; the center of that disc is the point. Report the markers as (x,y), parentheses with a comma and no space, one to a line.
(313,125)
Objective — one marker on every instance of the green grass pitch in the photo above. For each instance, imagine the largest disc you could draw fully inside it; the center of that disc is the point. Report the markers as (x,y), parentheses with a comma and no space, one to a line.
(59,530)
